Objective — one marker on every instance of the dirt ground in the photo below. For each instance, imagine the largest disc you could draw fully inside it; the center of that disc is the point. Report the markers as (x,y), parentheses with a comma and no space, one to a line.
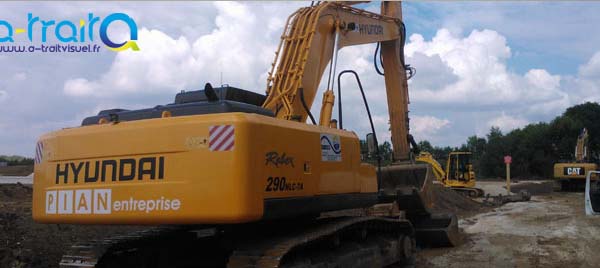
(551,230)
(24,243)
(16,170)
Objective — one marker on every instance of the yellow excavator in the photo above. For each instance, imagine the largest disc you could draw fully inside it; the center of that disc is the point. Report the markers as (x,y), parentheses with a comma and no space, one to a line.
(571,175)
(231,178)
(458,174)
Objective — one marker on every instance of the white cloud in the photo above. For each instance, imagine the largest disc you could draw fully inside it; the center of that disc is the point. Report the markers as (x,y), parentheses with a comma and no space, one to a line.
(165,64)
(478,62)
(456,73)
(541,79)
(526,24)
(20,76)
(507,123)
(432,74)
(236,48)
(80,87)
(480,78)
(586,86)
(427,127)
(463,81)
(591,69)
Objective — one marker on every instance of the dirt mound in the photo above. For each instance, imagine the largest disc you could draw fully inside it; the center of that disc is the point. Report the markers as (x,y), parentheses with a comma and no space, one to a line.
(446,199)
(534,188)
(15,192)
(24,243)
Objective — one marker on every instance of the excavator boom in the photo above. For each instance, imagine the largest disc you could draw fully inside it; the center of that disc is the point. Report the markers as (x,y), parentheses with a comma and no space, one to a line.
(581,152)
(309,44)
(438,171)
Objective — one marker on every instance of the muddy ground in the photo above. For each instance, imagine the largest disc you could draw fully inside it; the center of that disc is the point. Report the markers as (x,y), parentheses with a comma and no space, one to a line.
(24,243)
(22,170)
(549,231)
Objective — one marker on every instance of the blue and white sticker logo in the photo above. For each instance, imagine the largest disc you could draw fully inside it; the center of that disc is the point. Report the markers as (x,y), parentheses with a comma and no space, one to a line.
(331,148)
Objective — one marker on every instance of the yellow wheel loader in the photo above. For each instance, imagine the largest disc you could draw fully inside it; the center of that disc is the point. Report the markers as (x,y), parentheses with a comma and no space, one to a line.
(571,175)
(458,173)
(232,178)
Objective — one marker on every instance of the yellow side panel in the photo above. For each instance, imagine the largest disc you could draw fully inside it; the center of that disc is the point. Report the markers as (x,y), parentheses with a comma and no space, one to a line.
(203,169)
(573,170)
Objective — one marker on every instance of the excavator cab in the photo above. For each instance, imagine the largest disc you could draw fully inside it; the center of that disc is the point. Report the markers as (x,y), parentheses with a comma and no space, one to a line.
(460,174)
(460,167)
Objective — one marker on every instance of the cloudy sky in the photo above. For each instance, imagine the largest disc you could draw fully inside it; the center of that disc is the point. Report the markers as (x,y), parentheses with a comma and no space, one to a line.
(479,64)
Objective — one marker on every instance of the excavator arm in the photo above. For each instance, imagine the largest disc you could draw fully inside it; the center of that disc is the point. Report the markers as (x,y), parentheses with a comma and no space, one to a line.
(310,42)
(438,171)
(581,153)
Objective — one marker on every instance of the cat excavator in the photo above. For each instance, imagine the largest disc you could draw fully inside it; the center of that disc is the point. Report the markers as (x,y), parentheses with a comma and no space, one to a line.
(458,174)
(572,175)
(225,177)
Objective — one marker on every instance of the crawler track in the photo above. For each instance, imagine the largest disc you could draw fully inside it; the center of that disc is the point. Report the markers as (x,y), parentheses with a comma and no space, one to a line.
(173,246)
(330,242)
(337,242)
(469,192)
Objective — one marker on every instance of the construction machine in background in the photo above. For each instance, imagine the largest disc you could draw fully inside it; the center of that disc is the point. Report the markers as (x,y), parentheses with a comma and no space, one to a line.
(458,173)
(233,178)
(571,175)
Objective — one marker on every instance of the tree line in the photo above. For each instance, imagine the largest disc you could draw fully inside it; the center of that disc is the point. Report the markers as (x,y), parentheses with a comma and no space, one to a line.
(534,148)
(16,160)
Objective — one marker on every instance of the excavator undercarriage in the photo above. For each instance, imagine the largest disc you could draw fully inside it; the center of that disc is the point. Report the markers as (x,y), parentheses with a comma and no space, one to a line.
(364,237)
(341,241)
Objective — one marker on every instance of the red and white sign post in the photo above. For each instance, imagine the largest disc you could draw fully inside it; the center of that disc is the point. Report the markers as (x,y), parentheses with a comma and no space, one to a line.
(507,161)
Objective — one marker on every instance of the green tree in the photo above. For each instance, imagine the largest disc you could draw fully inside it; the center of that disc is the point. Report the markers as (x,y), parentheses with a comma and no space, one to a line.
(477,146)
(425,145)
(491,159)
(534,148)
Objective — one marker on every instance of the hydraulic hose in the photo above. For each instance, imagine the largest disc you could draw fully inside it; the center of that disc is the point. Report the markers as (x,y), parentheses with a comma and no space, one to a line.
(411,71)
(301,91)
(364,97)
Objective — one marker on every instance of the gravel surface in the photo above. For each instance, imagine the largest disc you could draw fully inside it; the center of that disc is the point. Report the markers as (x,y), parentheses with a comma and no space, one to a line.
(549,231)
